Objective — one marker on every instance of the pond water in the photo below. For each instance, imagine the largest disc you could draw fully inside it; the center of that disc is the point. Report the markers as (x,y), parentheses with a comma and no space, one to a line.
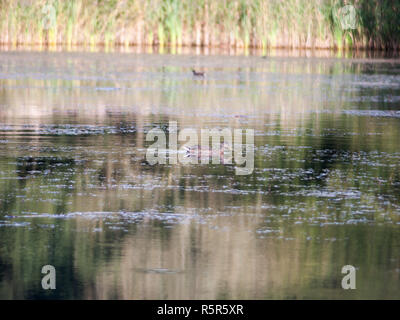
(77,193)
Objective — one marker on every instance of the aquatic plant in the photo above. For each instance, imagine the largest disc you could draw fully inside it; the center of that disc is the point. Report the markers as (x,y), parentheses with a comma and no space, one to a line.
(233,23)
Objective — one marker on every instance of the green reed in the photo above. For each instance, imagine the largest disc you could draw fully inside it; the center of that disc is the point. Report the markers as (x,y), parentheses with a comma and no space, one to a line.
(234,23)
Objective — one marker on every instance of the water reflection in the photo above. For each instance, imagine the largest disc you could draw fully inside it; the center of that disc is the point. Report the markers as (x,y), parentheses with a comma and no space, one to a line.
(77,193)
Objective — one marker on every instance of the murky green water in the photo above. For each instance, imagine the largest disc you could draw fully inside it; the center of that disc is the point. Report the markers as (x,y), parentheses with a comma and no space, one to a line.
(77,193)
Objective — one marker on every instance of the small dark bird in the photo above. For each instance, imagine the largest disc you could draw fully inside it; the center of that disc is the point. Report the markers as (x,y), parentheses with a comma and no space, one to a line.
(198,73)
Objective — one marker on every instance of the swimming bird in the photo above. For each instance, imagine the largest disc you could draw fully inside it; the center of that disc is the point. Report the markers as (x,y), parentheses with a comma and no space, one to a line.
(206,152)
(198,73)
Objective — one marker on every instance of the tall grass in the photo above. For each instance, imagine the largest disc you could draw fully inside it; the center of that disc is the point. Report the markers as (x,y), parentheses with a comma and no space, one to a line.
(233,23)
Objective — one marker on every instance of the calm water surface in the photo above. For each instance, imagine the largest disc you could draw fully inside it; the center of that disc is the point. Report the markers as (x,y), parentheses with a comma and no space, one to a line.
(77,193)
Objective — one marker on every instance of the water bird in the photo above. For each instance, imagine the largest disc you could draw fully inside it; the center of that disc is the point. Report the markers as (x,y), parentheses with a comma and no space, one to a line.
(202,152)
(198,73)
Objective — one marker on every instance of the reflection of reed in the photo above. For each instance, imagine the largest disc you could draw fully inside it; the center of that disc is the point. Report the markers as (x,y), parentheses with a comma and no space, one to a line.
(112,168)
(221,258)
(124,85)
(215,251)
(201,263)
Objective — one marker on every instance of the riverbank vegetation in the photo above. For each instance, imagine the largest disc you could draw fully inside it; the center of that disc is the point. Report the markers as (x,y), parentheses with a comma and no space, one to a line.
(222,23)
